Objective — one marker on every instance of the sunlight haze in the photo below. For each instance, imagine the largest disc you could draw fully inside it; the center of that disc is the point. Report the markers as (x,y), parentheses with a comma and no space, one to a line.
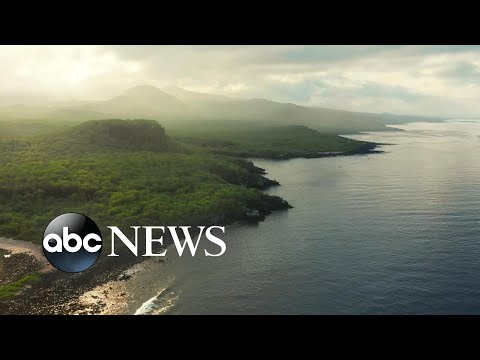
(420,80)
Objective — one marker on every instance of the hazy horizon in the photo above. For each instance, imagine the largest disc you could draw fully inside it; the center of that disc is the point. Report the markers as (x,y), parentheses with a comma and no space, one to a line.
(53,102)
(418,80)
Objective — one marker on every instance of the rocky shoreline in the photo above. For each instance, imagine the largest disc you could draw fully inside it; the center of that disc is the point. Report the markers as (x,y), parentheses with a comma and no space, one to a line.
(364,149)
(58,292)
(15,266)
(62,293)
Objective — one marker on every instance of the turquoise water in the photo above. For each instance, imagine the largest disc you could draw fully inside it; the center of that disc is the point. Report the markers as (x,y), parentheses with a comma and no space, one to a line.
(392,233)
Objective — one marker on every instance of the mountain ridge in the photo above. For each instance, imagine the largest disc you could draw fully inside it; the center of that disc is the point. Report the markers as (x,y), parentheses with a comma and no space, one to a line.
(174,106)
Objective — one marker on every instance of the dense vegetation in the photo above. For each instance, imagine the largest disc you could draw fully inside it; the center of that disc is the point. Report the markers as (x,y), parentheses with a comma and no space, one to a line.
(240,139)
(109,135)
(85,170)
(128,172)
(10,128)
(279,142)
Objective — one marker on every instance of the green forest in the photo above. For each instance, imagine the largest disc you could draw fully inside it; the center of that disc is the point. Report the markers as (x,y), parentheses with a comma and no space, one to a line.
(271,142)
(131,172)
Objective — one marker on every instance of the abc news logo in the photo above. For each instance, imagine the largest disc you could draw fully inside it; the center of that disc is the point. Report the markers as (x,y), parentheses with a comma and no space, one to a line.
(73,242)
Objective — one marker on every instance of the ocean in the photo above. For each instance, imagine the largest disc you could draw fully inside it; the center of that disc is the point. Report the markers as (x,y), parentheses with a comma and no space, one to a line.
(390,233)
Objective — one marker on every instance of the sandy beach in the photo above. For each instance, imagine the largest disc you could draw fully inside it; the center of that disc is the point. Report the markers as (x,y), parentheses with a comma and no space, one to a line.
(99,290)
(24,247)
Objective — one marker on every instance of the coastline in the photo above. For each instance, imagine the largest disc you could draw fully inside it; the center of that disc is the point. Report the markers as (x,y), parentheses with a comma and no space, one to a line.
(365,149)
(21,264)
(102,289)
(98,290)
(61,293)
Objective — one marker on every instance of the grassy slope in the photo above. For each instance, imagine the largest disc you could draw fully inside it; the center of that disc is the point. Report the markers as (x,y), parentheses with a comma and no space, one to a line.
(11,289)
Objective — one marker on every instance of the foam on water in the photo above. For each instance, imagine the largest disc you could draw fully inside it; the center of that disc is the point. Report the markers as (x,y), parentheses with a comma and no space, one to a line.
(159,304)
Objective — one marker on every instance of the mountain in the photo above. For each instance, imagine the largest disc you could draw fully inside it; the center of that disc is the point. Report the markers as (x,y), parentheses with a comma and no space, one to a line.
(178,108)
(194,97)
(175,107)
(140,101)
(265,112)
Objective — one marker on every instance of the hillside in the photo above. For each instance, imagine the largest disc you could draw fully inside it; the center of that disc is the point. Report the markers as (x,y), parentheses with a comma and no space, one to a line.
(265,112)
(134,135)
(87,169)
(104,136)
(280,142)
(140,101)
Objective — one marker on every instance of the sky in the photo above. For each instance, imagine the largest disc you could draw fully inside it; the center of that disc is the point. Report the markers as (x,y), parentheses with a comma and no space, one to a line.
(422,80)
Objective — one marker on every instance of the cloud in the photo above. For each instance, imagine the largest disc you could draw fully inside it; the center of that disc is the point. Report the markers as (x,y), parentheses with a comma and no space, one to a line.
(428,80)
